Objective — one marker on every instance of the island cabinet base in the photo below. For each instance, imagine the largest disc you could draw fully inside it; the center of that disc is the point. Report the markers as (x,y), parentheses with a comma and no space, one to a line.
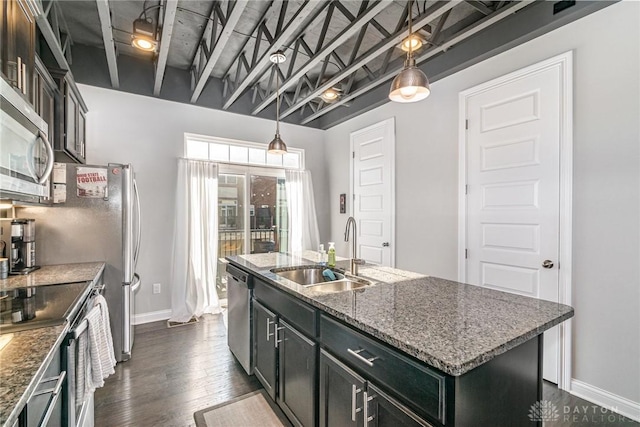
(379,378)
(503,391)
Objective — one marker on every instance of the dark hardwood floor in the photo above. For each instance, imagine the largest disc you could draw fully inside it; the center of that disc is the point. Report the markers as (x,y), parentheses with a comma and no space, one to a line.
(175,372)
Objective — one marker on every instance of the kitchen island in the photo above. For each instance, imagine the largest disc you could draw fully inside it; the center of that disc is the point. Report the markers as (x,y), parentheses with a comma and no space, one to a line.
(474,353)
(30,354)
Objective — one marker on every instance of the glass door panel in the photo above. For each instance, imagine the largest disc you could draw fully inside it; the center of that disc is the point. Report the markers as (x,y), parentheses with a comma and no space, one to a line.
(231,224)
(264,222)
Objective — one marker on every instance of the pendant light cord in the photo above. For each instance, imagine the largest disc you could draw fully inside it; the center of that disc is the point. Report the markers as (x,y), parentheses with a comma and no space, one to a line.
(410,53)
(277,98)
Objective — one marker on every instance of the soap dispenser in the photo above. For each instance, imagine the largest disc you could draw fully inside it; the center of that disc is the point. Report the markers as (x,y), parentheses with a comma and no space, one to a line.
(332,254)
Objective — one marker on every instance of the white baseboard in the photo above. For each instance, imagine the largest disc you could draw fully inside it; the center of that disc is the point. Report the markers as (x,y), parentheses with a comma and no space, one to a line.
(618,404)
(152,316)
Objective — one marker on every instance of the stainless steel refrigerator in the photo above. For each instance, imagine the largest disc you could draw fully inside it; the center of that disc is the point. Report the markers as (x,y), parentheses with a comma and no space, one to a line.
(99,220)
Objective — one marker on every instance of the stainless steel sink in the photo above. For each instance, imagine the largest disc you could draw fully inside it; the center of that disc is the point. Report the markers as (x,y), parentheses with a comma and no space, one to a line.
(339,286)
(307,275)
(311,277)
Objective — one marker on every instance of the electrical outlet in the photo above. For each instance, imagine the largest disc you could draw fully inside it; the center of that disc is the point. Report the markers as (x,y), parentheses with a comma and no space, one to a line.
(156,288)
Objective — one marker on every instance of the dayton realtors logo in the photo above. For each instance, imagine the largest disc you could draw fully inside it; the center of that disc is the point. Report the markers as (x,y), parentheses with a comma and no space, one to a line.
(543,410)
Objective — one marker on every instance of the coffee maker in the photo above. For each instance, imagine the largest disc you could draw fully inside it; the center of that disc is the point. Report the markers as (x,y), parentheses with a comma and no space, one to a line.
(23,246)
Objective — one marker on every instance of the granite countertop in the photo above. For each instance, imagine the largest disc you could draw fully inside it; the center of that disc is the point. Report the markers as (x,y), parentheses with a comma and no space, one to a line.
(24,359)
(451,326)
(54,274)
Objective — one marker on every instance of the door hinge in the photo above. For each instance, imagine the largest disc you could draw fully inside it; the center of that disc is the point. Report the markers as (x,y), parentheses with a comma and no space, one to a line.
(353,154)
(466,253)
(466,189)
(466,124)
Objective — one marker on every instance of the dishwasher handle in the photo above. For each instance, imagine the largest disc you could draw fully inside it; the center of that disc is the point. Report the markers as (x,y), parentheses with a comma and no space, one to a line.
(239,275)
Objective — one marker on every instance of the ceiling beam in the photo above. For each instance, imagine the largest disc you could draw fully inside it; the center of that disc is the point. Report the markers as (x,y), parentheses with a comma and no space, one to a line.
(107,39)
(320,55)
(293,27)
(432,13)
(168,19)
(479,6)
(486,22)
(231,20)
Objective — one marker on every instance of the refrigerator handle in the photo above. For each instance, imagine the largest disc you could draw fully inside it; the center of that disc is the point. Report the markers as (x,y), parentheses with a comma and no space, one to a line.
(136,251)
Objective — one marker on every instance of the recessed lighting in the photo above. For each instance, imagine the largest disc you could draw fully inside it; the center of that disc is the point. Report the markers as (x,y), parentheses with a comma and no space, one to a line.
(330,95)
(413,40)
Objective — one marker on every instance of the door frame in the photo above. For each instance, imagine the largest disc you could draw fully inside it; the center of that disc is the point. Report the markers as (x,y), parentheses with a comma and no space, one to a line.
(390,133)
(564,62)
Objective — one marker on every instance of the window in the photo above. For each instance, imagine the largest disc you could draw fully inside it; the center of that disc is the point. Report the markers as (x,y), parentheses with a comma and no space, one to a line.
(239,152)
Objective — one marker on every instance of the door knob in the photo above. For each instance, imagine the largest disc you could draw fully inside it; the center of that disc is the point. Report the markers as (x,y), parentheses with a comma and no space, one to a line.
(385,244)
(547,263)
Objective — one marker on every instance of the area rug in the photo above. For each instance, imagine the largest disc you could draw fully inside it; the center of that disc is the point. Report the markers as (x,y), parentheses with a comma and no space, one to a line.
(252,409)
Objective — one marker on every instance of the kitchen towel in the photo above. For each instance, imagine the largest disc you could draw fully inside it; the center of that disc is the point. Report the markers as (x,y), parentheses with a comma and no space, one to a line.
(100,343)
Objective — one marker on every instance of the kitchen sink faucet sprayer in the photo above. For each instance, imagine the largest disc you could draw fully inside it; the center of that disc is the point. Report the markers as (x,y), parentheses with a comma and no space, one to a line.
(355,262)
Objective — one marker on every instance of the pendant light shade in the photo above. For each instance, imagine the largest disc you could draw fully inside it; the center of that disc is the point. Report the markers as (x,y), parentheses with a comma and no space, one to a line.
(277,145)
(411,85)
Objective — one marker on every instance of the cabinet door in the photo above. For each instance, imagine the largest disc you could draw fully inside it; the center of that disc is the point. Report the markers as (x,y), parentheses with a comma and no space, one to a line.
(341,392)
(19,47)
(264,324)
(71,113)
(80,143)
(297,375)
(384,411)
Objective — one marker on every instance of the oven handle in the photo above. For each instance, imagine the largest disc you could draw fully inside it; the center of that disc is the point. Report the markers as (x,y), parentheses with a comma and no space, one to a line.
(55,394)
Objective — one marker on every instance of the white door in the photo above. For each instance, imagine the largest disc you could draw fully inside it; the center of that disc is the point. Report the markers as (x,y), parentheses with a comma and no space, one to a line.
(372,186)
(513,136)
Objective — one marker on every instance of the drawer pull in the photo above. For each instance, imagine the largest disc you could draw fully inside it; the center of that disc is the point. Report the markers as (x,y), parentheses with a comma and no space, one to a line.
(277,341)
(354,409)
(356,353)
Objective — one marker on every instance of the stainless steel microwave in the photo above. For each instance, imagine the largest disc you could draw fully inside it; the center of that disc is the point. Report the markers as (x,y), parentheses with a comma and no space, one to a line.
(26,156)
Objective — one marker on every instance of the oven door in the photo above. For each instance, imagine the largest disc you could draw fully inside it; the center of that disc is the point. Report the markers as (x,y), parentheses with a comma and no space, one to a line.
(26,156)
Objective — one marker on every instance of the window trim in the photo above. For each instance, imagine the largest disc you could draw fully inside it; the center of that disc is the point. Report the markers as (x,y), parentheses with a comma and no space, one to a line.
(241,143)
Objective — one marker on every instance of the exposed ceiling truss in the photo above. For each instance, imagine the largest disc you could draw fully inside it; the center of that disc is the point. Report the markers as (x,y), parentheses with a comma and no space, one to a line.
(215,53)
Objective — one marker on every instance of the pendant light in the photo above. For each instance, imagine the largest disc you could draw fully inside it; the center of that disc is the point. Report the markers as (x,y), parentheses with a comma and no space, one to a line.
(277,145)
(411,84)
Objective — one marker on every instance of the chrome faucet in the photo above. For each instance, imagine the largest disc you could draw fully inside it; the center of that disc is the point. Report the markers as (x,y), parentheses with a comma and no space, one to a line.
(355,262)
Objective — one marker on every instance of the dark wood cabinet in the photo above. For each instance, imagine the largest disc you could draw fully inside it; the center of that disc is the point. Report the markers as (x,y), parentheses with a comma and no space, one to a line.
(285,357)
(384,411)
(344,394)
(297,357)
(265,351)
(69,140)
(341,394)
(45,94)
(18,44)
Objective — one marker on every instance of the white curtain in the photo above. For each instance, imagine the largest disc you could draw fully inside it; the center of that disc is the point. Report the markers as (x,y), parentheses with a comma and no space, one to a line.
(303,223)
(195,241)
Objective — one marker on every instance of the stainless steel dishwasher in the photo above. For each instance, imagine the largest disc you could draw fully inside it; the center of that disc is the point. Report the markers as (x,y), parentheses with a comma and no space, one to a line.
(239,293)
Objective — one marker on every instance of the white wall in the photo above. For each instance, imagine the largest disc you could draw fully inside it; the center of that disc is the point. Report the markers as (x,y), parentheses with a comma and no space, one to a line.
(149,133)
(606,234)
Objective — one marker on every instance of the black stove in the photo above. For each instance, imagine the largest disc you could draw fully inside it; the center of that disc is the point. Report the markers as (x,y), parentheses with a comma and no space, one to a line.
(38,306)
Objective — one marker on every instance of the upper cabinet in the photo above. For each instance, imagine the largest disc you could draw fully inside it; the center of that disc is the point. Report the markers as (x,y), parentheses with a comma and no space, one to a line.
(18,32)
(69,138)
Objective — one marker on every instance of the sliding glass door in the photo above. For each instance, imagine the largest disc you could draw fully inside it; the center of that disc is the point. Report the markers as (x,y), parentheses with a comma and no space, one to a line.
(257,226)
